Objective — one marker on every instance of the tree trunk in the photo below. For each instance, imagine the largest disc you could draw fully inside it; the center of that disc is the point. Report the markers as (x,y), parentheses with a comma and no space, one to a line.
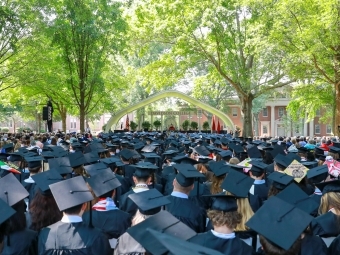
(256,124)
(63,115)
(337,109)
(247,105)
(39,122)
(82,119)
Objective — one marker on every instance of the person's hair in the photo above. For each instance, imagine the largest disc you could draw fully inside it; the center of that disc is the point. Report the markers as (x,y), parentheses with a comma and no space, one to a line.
(17,145)
(202,168)
(220,218)
(273,191)
(73,210)
(138,218)
(142,179)
(328,201)
(34,170)
(334,155)
(234,161)
(256,174)
(53,141)
(310,156)
(44,211)
(17,221)
(272,249)
(244,209)
(218,157)
(216,184)
(178,187)
(80,171)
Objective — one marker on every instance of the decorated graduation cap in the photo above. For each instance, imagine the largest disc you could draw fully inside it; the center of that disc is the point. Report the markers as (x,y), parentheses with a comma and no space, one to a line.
(77,159)
(164,222)
(286,222)
(149,202)
(70,193)
(33,162)
(224,203)
(330,186)
(258,166)
(5,211)
(318,174)
(11,190)
(158,243)
(95,169)
(294,195)
(103,182)
(296,170)
(44,179)
(149,148)
(280,180)
(237,183)
(91,157)
(254,152)
(187,174)
(126,154)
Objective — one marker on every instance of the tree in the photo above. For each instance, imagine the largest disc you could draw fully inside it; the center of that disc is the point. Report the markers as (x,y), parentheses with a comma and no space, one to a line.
(185,125)
(205,125)
(157,124)
(224,35)
(194,125)
(146,125)
(133,125)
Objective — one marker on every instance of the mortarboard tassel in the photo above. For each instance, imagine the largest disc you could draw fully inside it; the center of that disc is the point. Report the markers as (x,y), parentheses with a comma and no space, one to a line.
(90,224)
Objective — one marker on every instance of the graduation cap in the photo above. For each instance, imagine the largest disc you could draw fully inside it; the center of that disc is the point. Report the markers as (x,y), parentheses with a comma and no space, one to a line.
(294,195)
(47,154)
(225,153)
(187,174)
(95,169)
(11,190)
(5,211)
(182,159)
(286,222)
(219,169)
(254,152)
(62,165)
(149,148)
(8,147)
(334,149)
(164,222)
(224,203)
(158,243)
(150,201)
(237,183)
(318,174)
(44,179)
(126,154)
(103,182)
(33,162)
(236,148)
(280,180)
(303,150)
(238,168)
(282,160)
(76,159)
(16,156)
(70,193)
(151,155)
(309,164)
(325,187)
(258,166)
(319,150)
(297,170)
(144,170)
(91,157)
(202,150)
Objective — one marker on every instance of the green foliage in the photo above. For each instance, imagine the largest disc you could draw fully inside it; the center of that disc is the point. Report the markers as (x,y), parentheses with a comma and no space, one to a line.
(157,124)
(133,125)
(4,129)
(194,125)
(146,125)
(206,125)
(185,125)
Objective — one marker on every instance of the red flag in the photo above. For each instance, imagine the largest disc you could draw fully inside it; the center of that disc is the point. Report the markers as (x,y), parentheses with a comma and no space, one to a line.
(127,123)
(218,127)
(213,128)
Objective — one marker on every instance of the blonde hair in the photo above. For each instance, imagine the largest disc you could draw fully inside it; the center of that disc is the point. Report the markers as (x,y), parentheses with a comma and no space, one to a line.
(234,161)
(220,218)
(328,201)
(138,218)
(216,184)
(334,155)
(243,208)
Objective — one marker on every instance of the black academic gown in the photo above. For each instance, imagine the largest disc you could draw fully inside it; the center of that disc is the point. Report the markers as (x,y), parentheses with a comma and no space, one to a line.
(326,225)
(316,198)
(31,189)
(234,246)
(313,245)
(113,223)
(21,243)
(334,248)
(202,190)
(127,205)
(260,195)
(72,239)
(187,212)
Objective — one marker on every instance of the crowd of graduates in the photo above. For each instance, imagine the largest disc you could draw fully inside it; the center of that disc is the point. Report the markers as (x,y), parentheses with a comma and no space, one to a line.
(168,193)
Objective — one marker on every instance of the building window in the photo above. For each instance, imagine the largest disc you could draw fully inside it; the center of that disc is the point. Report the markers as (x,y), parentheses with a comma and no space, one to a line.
(265,129)
(10,123)
(234,112)
(317,113)
(265,112)
(329,129)
(73,123)
(281,111)
(317,129)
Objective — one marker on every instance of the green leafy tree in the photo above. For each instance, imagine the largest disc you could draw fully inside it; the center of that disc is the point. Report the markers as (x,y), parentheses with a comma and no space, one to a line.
(194,125)
(206,125)
(185,125)
(146,125)
(133,125)
(157,124)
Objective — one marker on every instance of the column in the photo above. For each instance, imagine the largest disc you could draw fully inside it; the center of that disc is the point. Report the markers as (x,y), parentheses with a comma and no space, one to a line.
(304,125)
(272,121)
(311,128)
(162,123)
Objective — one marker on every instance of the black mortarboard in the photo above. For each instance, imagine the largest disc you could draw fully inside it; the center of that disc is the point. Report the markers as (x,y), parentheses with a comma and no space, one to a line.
(187,174)
(280,180)
(62,165)
(164,222)
(309,164)
(277,149)
(91,157)
(151,155)
(16,156)
(219,169)
(144,169)
(293,156)
(170,153)
(225,153)
(95,169)
(76,159)
(11,190)
(158,243)
(282,160)
(44,179)
(330,186)
(8,147)
(286,222)
(254,152)
(258,166)
(5,211)
(126,154)
(303,149)
(318,174)
(70,193)
(294,195)
(224,203)
(236,148)
(202,150)
(237,183)
(334,149)
(33,162)
(103,182)
(236,167)
(182,159)
(322,157)
(150,201)
(319,151)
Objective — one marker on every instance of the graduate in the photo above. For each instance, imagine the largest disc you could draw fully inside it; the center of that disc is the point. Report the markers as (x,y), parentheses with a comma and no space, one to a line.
(105,214)
(34,167)
(71,235)
(224,218)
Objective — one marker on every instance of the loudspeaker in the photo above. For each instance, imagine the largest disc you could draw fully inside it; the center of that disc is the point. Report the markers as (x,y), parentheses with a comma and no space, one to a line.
(45,113)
